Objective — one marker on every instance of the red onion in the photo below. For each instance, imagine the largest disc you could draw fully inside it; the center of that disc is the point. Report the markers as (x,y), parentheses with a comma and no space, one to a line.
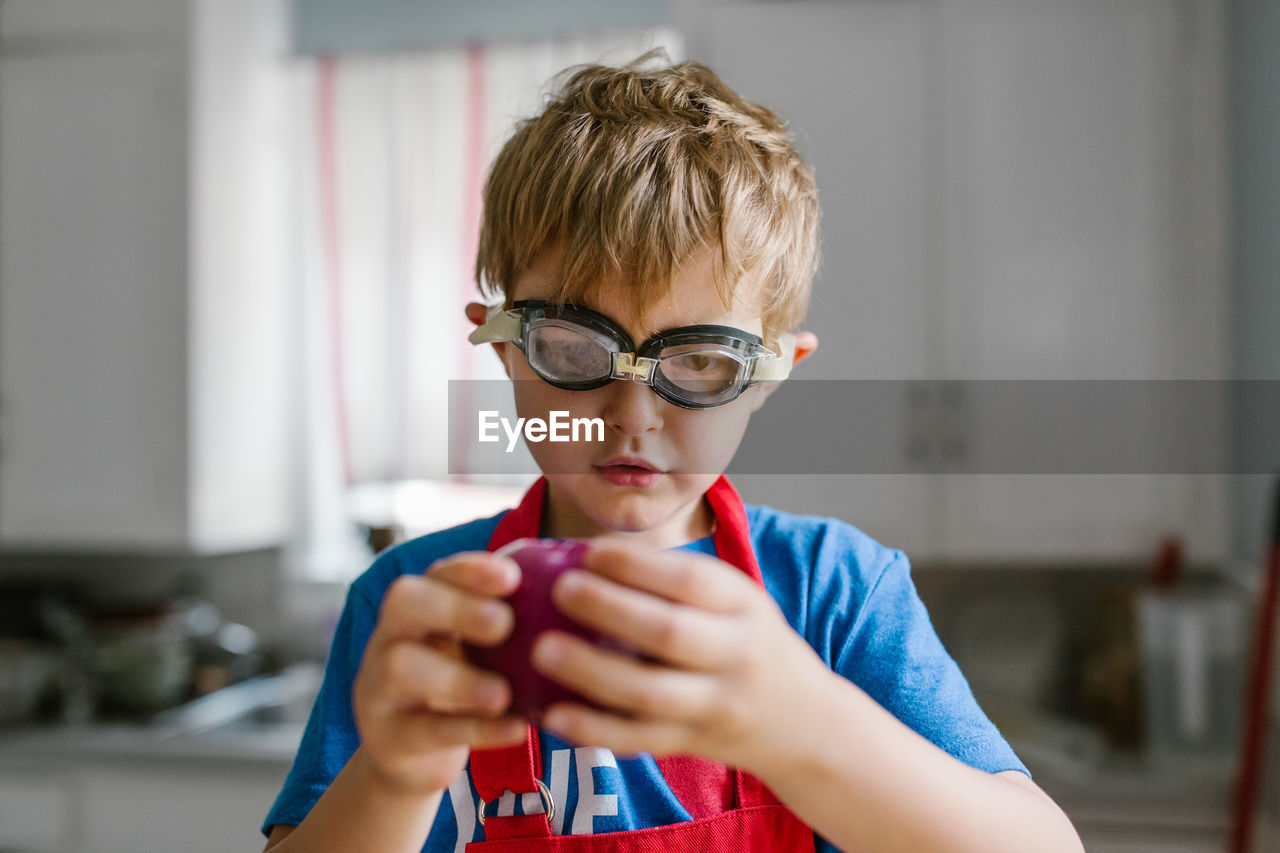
(541,561)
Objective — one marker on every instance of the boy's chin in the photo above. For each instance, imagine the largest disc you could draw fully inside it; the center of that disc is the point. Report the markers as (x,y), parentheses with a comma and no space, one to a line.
(622,510)
(625,519)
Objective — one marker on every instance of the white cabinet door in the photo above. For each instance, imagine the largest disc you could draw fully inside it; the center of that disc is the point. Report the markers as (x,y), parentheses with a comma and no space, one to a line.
(1012,189)
(1072,189)
(853,82)
(1084,220)
(145,351)
(92,300)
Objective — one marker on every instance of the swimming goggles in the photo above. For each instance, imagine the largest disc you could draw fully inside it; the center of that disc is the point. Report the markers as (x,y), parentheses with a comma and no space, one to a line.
(694,367)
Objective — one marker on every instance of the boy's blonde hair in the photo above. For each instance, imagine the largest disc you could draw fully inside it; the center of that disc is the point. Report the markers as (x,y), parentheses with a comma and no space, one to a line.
(632,170)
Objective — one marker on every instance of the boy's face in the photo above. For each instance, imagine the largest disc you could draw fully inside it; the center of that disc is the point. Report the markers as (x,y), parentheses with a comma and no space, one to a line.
(690,448)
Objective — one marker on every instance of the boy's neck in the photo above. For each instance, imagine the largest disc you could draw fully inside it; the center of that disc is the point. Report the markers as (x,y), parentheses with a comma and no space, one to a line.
(561,520)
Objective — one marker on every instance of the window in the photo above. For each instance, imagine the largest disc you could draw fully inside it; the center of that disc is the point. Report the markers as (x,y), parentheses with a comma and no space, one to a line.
(390,154)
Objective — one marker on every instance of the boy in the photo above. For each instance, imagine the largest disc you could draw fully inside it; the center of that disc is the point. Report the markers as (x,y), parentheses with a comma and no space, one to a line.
(651,228)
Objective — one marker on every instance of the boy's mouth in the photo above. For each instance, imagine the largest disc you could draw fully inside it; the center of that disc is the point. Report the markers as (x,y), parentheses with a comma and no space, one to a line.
(629,471)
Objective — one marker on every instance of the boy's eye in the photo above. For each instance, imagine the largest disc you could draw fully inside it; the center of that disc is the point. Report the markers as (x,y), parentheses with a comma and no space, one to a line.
(703,363)
(701,370)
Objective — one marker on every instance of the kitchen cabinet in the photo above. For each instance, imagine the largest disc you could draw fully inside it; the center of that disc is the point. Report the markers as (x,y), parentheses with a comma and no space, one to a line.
(1085,204)
(209,810)
(123,788)
(131,807)
(144,323)
(853,81)
(1012,190)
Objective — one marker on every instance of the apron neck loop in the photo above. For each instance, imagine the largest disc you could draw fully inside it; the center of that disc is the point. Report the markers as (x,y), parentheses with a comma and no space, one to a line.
(523,521)
(731,536)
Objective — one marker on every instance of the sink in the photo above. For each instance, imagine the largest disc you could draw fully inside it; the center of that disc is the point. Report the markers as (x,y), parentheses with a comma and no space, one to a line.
(259,721)
(267,702)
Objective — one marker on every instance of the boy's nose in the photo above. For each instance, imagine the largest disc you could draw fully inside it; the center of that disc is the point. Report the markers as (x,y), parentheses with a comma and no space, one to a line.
(632,408)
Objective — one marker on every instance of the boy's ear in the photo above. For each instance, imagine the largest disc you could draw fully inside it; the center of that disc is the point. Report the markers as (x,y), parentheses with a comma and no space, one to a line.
(806,345)
(476,314)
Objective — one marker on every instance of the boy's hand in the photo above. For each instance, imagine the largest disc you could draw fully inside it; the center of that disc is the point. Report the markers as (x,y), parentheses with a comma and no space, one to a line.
(419,705)
(728,677)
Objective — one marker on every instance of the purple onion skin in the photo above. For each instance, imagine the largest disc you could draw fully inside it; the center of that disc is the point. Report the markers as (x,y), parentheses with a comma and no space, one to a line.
(541,561)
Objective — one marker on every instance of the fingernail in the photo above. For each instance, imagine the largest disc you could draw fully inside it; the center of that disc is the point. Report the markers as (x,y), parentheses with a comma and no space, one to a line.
(549,651)
(492,613)
(571,581)
(489,693)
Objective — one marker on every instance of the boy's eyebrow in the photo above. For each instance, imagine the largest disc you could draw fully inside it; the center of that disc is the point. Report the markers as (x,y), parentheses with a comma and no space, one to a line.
(722,319)
(586,300)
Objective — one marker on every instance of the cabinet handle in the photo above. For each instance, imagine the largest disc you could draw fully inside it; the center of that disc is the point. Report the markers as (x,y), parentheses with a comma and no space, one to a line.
(920,429)
(953,423)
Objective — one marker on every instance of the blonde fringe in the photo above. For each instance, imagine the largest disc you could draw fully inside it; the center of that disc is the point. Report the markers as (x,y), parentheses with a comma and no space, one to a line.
(632,170)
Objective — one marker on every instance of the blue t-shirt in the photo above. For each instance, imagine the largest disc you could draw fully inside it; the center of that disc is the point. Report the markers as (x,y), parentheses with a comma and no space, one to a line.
(849,596)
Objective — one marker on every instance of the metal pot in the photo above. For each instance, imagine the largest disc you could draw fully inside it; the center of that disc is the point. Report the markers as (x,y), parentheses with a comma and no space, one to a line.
(27,669)
(142,663)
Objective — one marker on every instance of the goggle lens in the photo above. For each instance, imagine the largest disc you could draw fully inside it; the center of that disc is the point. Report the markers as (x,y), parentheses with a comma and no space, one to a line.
(700,369)
(697,366)
(699,374)
(564,352)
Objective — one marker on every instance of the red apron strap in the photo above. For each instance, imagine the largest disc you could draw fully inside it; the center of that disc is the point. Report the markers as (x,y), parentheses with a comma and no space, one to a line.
(513,768)
(524,520)
(733,545)
(508,768)
(732,536)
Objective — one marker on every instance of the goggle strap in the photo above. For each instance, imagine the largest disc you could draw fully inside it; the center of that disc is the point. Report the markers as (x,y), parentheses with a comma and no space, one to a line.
(499,325)
(777,368)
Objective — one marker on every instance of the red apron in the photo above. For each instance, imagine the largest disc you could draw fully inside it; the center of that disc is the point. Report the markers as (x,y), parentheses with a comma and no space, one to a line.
(731,809)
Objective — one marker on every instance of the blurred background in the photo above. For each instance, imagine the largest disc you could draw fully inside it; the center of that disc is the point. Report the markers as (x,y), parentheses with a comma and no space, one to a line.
(236,237)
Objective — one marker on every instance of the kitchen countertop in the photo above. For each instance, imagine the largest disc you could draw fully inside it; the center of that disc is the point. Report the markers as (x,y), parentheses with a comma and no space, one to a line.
(1119,804)
(258,721)
(270,745)
(1111,804)
(1118,786)
(1124,790)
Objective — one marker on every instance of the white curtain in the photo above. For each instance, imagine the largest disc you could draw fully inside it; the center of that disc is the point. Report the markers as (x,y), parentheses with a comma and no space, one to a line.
(390,157)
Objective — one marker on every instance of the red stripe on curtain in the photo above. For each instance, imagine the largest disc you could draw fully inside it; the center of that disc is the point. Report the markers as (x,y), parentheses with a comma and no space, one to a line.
(331,249)
(401,183)
(471,189)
